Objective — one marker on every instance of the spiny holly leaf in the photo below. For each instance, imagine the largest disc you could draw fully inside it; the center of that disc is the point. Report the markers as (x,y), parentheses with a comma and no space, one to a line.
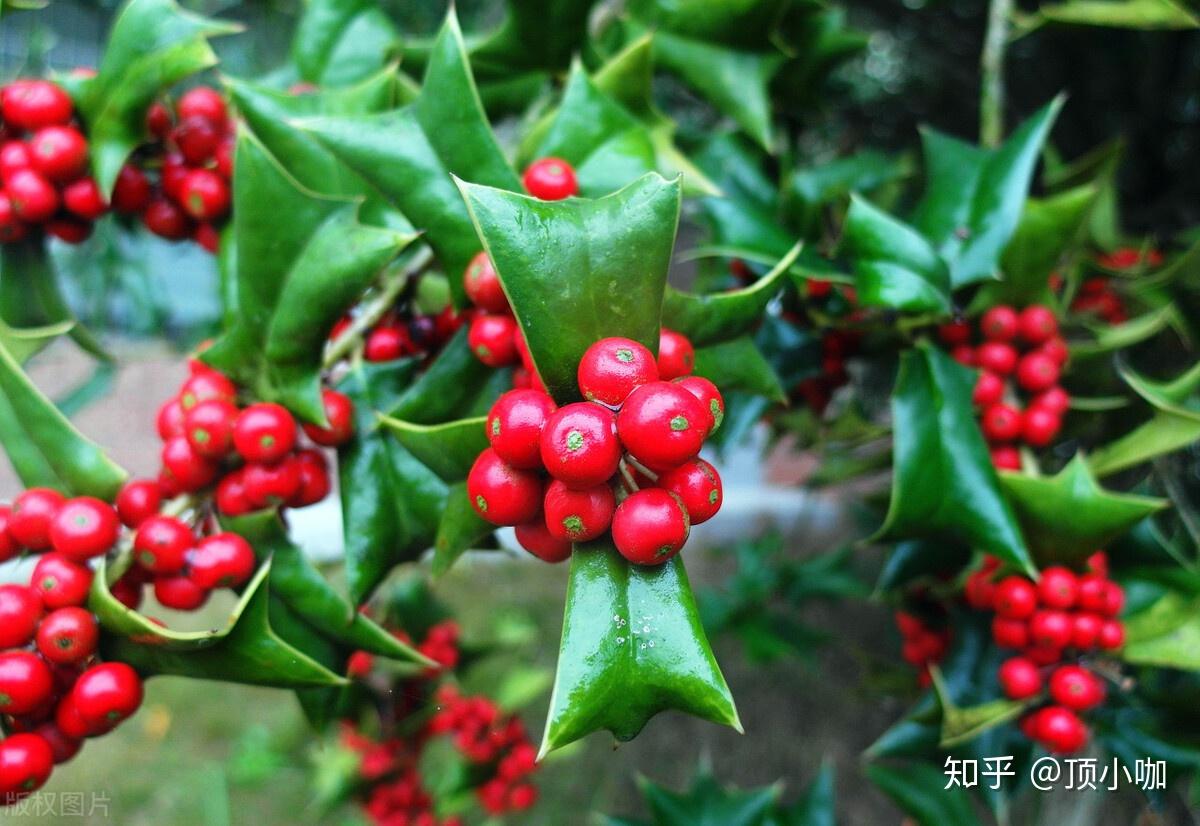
(153,45)
(816,807)
(706,803)
(894,266)
(1173,426)
(960,725)
(944,480)
(974,197)
(1120,14)
(460,529)
(578,270)
(1097,516)
(738,364)
(919,789)
(1107,338)
(44,447)
(411,154)
(295,278)
(247,650)
(536,36)
(31,296)
(809,190)
(1167,634)
(632,646)
(447,449)
(300,586)
(340,42)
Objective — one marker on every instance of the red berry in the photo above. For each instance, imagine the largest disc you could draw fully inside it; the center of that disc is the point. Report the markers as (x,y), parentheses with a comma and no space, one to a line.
(385,344)
(999,323)
(14,157)
(26,682)
(30,105)
(1050,629)
(132,191)
(1016,598)
(271,485)
(207,236)
(26,761)
(224,560)
(84,198)
(206,385)
(709,396)
(514,426)
(954,333)
(964,354)
(202,102)
(166,220)
(997,357)
(179,593)
(650,526)
(1092,590)
(8,546)
(231,494)
(1010,633)
(1060,730)
(170,421)
(482,285)
(68,635)
(989,389)
(161,544)
(1085,631)
(698,487)
(1001,423)
(84,527)
(224,157)
(69,230)
(1054,400)
(1039,426)
(1112,635)
(676,356)
(1037,324)
(59,153)
(196,138)
(578,515)
(1114,599)
(1006,457)
(61,582)
(33,198)
(536,538)
(1043,655)
(314,478)
(208,428)
(186,466)
(662,425)
(204,195)
(612,367)
(980,591)
(1058,587)
(1036,372)
(1076,688)
(61,746)
(20,610)
(1056,349)
(31,515)
(579,444)
(501,493)
(106,694)
(550,179)
(159,120)
(1019,678)
(492,339)
(339,411)
(264,432)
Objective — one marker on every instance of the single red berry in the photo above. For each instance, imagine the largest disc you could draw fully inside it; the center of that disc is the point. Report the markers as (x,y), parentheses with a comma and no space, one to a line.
(106,694)
(202,102)
(1019,678)
(84,527)
(1050,629)
(208,427)
(14,157)
(62,747)
(30,105)
(204,195)
(908,624)
(1036,372)
(650,526)
(612,367)
(1055,400)
(989,389)
(179,593)
(536,538)
(61,582)
(9,547)
(26,682)
(339,411)
(550,179)
(207,237)
(31,515)
(1056,349)
(1092,590)
(709,396)
(166,220)
(1001,423)
(189,469)
(578,515)
(999,323)
(996,356)
(264,432)
(1010,633)
(12,228)
(1058,588)
(514,426)
(20,611)
(662,425)
(132,191)
(204,386)
(483,285)
(386,343)
(1039,426)
(84,198)
(979,591)
(231,494)
(170,421)
(1085,631)
(579,444)
(271,485)
(954,333)
(33,198)
(1112,635)
(1006,457)
(67,719)
(59,153)
(196,138)
(1016,598)
(1060,730)
(224,157)
(698,487)
(159,120)
(314,478)
(1076,688)
(1114,599)
(676,356)
(224,560)
(492,339)
(68,635)
(1037,324)
(26,761)
(1044,655)
(69,230)
(501,493)
(964,354)
(161,544)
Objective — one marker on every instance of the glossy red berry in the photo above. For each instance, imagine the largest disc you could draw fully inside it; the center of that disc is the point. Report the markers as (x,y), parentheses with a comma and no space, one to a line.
(579,445)
(997,357)
(1060,730)
(492,339)
(68,230)
(84,527)
(698,487)
(1039,426)
(989,389)
(1019,678)
(650,526)
(339,412)
(1076,688)
(386,343)
(501,493)
(179,593)
(84,198)
(271,485)
(31,515)
(204,195)
(612,367)
(30,105)
(1112,635)
(20,611)
(1054,399)
(59,153)
(159,120)
(1006,457)
(132,191)
(964,354)
(1037,372)
(514,426)
(34,200)
(550,179)
(196,138)
(1037,324)
(578,515)
(1050,629)
(662,425)
(208,427)
(202,102)
(1016,598)
(314,478)
(61,746)
(61,582)
(187,467)
(483,286)
(68,635)
(1056,349)
(1114,599)
(14,157)
(224,560)
(106,694)
(536,538)
(709,396)
(264,432)
(166,220)
(26,682)
(979,590)
(1085,631)
(954,333)
(9,547)
(231,494)
(999,323)
(161,544)
(26,761)
(1001,423)
(1010,633)
(1058,587)
(206,385)
(676,356)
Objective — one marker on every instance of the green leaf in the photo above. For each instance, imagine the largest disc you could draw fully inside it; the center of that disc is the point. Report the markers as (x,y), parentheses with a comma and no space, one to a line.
(894,266)
(579,270)
(246,650)
(153,45)
(45,448)
(300,586)
(739,365)
(706,803)
(1178,647)
(944,480)
(974,197)
(340,42)
(919,789)
(1172,427)
(447,449)
(1109,337)
(632,646)
(713,317)
(816,807)
(449,386)
(295,279)
(536,36)
(459,530)
(961,725)
(31,297)
(1121,14)
(411,154)
(1097,516)
(809,190)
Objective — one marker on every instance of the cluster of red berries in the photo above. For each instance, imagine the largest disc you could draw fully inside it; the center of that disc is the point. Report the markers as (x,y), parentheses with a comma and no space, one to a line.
(44,180)
(636,439)
(1055,622)
(1097,297)
(404,332)
(252,455)
(1021,355)
(440,645)
(923,645)
(178,182)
